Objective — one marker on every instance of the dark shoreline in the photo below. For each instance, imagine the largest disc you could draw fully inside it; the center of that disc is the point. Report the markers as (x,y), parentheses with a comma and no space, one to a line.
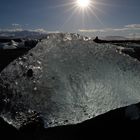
(97,40)
(113,122)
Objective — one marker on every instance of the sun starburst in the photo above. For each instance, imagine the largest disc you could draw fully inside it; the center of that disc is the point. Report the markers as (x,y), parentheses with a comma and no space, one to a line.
(84,8)
(83,3)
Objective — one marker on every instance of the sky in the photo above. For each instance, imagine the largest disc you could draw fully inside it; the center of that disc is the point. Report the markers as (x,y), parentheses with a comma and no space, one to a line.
(103,17)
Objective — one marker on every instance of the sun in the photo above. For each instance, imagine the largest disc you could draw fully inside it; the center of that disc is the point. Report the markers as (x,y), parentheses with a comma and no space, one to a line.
(83,3)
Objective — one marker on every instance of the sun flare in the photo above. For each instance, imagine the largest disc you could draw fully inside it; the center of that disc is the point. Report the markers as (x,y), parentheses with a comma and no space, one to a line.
(82,9)
(83,3)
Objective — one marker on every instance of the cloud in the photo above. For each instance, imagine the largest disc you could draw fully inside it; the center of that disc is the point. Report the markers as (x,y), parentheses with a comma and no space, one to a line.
(11,30)
(120,29)
(53,32)
(133,26)
(91,30)
(20,30)
(134,35)
(15,24)
(103,30)
(41,30)
(125,28)
(131,30)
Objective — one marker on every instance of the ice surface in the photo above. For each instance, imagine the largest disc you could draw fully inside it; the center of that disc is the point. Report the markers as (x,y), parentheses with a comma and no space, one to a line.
(68,79)
(9,45)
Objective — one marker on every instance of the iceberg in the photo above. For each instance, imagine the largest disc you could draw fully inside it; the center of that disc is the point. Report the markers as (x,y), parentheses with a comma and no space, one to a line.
(67,79)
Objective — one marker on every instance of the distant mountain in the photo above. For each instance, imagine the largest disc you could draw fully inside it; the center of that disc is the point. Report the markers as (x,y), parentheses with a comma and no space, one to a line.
(22,33)
(114,38)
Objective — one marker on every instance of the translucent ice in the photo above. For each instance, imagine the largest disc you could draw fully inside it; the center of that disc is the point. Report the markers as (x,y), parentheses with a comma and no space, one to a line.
(68,79)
